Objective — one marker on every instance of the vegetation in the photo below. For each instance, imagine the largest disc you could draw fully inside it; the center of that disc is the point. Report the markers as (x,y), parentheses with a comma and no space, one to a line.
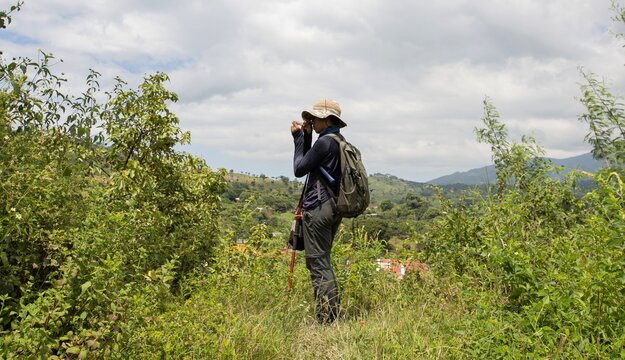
(544,266)
(395,214)
(100,217)
(115,245)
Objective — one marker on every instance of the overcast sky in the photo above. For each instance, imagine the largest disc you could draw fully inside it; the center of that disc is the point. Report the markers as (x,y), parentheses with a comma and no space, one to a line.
(410,76)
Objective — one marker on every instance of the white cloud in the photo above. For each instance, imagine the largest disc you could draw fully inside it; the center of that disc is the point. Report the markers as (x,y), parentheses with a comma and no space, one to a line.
(410,76)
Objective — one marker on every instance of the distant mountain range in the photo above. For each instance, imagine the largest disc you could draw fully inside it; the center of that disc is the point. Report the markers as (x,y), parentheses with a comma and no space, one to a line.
(488,174)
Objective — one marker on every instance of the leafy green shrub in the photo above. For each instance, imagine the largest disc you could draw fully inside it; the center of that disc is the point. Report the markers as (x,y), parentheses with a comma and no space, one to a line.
(554,261)
(101,217)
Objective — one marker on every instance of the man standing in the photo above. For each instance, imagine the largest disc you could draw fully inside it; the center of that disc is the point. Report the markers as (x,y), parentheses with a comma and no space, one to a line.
(321,163)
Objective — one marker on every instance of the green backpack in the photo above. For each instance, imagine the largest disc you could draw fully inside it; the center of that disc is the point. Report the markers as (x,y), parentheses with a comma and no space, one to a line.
(353,197)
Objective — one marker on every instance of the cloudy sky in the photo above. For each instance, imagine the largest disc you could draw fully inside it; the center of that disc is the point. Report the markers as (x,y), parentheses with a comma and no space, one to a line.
(410,75)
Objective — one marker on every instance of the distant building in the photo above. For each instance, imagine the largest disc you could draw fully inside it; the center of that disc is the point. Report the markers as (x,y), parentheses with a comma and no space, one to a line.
(398,269)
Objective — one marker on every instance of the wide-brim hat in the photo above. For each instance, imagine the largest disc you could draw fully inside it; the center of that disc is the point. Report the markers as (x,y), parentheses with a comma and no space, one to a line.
(322,109)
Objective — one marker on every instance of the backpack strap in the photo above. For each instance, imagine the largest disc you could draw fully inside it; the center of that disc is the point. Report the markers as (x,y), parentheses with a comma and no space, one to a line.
(301,197)
(319,189)
(338,138)
(327,186)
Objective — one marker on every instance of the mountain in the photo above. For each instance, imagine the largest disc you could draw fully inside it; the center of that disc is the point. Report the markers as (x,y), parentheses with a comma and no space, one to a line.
(488,174)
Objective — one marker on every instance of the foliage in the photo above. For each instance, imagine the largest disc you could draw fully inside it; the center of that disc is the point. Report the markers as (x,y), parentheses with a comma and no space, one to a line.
(552,259)
(557,270)
(605,112)
(606,120)
(271,201)
(5,16)
(241,309)
(516,163)
(100,216)
(115,245)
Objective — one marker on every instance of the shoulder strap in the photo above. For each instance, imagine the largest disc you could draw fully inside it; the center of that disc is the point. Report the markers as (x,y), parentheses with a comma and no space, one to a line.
(337,136)
(327,186)
(301,197)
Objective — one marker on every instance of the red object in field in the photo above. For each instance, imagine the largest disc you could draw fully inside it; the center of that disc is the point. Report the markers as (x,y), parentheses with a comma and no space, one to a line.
(398,269)
(291,270)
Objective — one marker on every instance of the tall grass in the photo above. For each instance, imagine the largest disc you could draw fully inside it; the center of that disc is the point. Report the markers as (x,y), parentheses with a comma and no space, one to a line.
(552,290)
(240,309)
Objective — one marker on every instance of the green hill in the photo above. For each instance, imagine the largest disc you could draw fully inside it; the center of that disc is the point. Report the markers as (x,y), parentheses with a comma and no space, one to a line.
(383,187)
(388,187)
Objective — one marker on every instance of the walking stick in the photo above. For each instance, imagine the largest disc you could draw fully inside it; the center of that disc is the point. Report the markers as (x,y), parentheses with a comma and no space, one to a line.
(296,234)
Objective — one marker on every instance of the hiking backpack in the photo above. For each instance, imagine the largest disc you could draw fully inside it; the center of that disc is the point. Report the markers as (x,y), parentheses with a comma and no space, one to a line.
(353,195)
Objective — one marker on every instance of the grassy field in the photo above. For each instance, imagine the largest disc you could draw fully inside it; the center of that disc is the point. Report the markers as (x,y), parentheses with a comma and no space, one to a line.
(245,312)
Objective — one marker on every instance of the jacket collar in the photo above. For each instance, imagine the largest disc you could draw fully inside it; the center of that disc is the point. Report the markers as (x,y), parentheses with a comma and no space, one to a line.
(329,130)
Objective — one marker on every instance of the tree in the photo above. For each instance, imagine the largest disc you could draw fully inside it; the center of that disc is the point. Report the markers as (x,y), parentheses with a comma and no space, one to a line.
(91,224)
(414,201)
(5,16)
(375,226)
(386,205)
(517,164)
(605,112)
(605,117)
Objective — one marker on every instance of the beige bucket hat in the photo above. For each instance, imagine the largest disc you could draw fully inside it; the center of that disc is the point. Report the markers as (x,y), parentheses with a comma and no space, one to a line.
(324,108)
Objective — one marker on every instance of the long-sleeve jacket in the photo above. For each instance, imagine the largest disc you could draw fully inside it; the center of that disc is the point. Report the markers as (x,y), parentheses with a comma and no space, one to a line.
(308,160)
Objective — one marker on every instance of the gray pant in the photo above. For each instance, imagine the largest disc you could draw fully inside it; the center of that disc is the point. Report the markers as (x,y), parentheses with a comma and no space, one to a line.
(320,226)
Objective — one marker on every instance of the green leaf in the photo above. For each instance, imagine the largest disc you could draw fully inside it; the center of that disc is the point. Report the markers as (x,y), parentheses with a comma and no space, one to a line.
(85,286)
(74,350)
(83,354)
(4,258)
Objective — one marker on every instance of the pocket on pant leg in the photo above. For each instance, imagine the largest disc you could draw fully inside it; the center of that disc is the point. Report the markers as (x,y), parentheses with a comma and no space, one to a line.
(317,232)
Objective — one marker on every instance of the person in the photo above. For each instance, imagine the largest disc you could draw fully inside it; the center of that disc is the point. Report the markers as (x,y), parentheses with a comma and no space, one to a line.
(321,163)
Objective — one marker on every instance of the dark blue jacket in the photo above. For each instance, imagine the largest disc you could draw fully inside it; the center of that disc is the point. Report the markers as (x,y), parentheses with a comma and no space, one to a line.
(325,152)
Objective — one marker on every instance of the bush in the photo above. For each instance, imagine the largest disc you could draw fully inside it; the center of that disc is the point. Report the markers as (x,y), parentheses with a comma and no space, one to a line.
(555,261)
(94,222)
